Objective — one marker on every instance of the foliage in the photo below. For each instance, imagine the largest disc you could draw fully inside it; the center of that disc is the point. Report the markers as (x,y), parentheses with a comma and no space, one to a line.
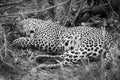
(19,65)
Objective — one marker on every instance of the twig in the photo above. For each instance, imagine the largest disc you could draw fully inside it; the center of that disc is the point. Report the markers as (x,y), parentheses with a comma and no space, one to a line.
(77,14)
(6,7)
(45,8)
(10,4)
(49,56)
(97,9)
(36,11)
(49,65)
(5,43)
(109,2)
(71,2)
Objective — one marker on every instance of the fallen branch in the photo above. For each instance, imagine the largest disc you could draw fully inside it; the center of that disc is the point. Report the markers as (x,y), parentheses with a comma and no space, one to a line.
(96,10)
(35,11)
(10,4)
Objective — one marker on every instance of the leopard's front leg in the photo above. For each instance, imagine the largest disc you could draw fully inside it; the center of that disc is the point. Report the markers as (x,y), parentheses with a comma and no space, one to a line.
(22,42)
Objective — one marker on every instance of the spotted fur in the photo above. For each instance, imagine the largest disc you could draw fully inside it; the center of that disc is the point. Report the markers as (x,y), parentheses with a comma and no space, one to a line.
(82,42)
(43,35)
(85,43)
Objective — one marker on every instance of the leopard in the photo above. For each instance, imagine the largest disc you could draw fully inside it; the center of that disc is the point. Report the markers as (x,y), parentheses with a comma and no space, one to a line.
(86,43)
(74,44)
(40,35)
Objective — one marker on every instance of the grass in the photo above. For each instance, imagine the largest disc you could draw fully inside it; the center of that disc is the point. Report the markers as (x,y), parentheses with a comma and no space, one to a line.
(19,65)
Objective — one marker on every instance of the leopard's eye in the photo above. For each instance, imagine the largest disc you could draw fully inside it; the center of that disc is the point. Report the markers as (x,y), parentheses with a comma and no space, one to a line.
(31,31)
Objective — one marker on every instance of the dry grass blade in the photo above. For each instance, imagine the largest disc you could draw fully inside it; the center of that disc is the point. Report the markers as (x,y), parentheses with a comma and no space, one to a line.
(30,12)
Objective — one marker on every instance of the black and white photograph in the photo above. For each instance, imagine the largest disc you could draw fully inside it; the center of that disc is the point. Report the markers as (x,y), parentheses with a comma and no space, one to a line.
(59,40)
